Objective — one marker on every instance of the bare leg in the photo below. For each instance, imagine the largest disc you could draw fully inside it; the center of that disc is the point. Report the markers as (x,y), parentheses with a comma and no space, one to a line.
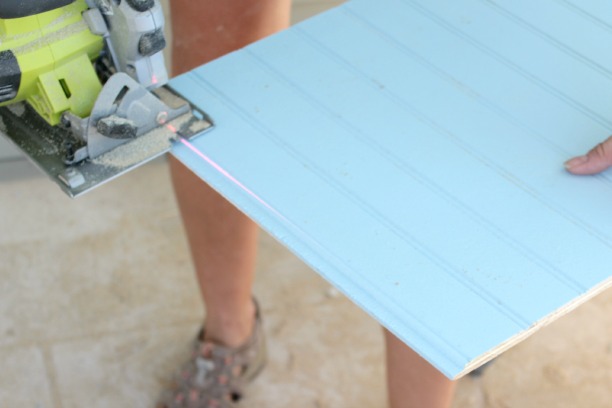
(222,240)
(207,29)
(223,244)
(411,381)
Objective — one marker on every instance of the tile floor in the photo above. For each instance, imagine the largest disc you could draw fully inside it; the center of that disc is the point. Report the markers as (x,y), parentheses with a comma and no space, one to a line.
(99,304)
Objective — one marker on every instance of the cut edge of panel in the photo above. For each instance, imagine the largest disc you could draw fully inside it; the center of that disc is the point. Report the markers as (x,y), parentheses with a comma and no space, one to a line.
(535,327)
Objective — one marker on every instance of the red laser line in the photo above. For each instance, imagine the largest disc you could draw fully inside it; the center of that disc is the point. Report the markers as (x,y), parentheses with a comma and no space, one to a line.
(225,173)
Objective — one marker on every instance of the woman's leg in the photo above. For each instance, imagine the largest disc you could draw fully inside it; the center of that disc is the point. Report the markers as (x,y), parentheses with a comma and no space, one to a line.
(411,381)
(222,240)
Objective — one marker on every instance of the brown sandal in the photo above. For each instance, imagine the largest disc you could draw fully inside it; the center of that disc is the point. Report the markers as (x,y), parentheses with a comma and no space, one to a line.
(215,376)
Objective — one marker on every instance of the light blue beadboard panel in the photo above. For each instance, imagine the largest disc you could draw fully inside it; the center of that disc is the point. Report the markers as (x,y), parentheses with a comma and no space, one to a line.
(555,30)
(477,121)
(331,241)
(432,45)
(522,157)
(599,11)
(544,65)
(411,152)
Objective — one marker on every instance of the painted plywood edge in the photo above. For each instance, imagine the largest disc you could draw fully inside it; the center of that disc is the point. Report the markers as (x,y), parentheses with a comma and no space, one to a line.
(537,326)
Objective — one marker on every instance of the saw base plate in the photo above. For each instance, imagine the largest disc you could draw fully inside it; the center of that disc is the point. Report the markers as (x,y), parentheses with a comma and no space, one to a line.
(45,145)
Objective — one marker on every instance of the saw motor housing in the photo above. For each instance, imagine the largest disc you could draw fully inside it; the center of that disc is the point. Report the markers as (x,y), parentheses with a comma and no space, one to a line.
(45,58)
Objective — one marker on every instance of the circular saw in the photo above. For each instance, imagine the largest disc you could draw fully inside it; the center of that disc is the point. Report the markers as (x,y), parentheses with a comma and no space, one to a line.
(83,88)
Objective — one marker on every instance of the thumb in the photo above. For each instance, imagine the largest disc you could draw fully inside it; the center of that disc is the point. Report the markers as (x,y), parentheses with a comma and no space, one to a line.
(595,161)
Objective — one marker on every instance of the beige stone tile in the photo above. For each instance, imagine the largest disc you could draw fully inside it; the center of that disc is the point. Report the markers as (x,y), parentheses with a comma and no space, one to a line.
(33,208)
(8,151)
(324,351)
(565,365)
(469,393)
(114,260)
(320,355)
(123,370)
(80,289)
(327,354)
(23,378)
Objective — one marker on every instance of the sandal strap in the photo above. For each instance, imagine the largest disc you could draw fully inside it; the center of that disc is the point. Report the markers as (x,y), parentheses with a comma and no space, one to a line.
(216,375)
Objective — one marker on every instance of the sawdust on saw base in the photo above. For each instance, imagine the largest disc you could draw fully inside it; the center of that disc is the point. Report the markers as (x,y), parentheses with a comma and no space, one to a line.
(143,147)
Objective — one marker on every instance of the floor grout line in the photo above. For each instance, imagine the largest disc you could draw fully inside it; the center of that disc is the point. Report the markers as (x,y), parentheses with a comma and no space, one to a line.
(94,335)
(51,375)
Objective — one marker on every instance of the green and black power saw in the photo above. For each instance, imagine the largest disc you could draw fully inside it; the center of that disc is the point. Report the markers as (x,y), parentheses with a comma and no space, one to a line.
(83,88)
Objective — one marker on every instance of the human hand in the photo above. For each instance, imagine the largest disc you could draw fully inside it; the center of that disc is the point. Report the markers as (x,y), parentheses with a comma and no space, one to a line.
(596,160)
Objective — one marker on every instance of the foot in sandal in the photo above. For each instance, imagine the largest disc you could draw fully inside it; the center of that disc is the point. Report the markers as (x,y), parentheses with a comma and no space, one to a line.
(216,376)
